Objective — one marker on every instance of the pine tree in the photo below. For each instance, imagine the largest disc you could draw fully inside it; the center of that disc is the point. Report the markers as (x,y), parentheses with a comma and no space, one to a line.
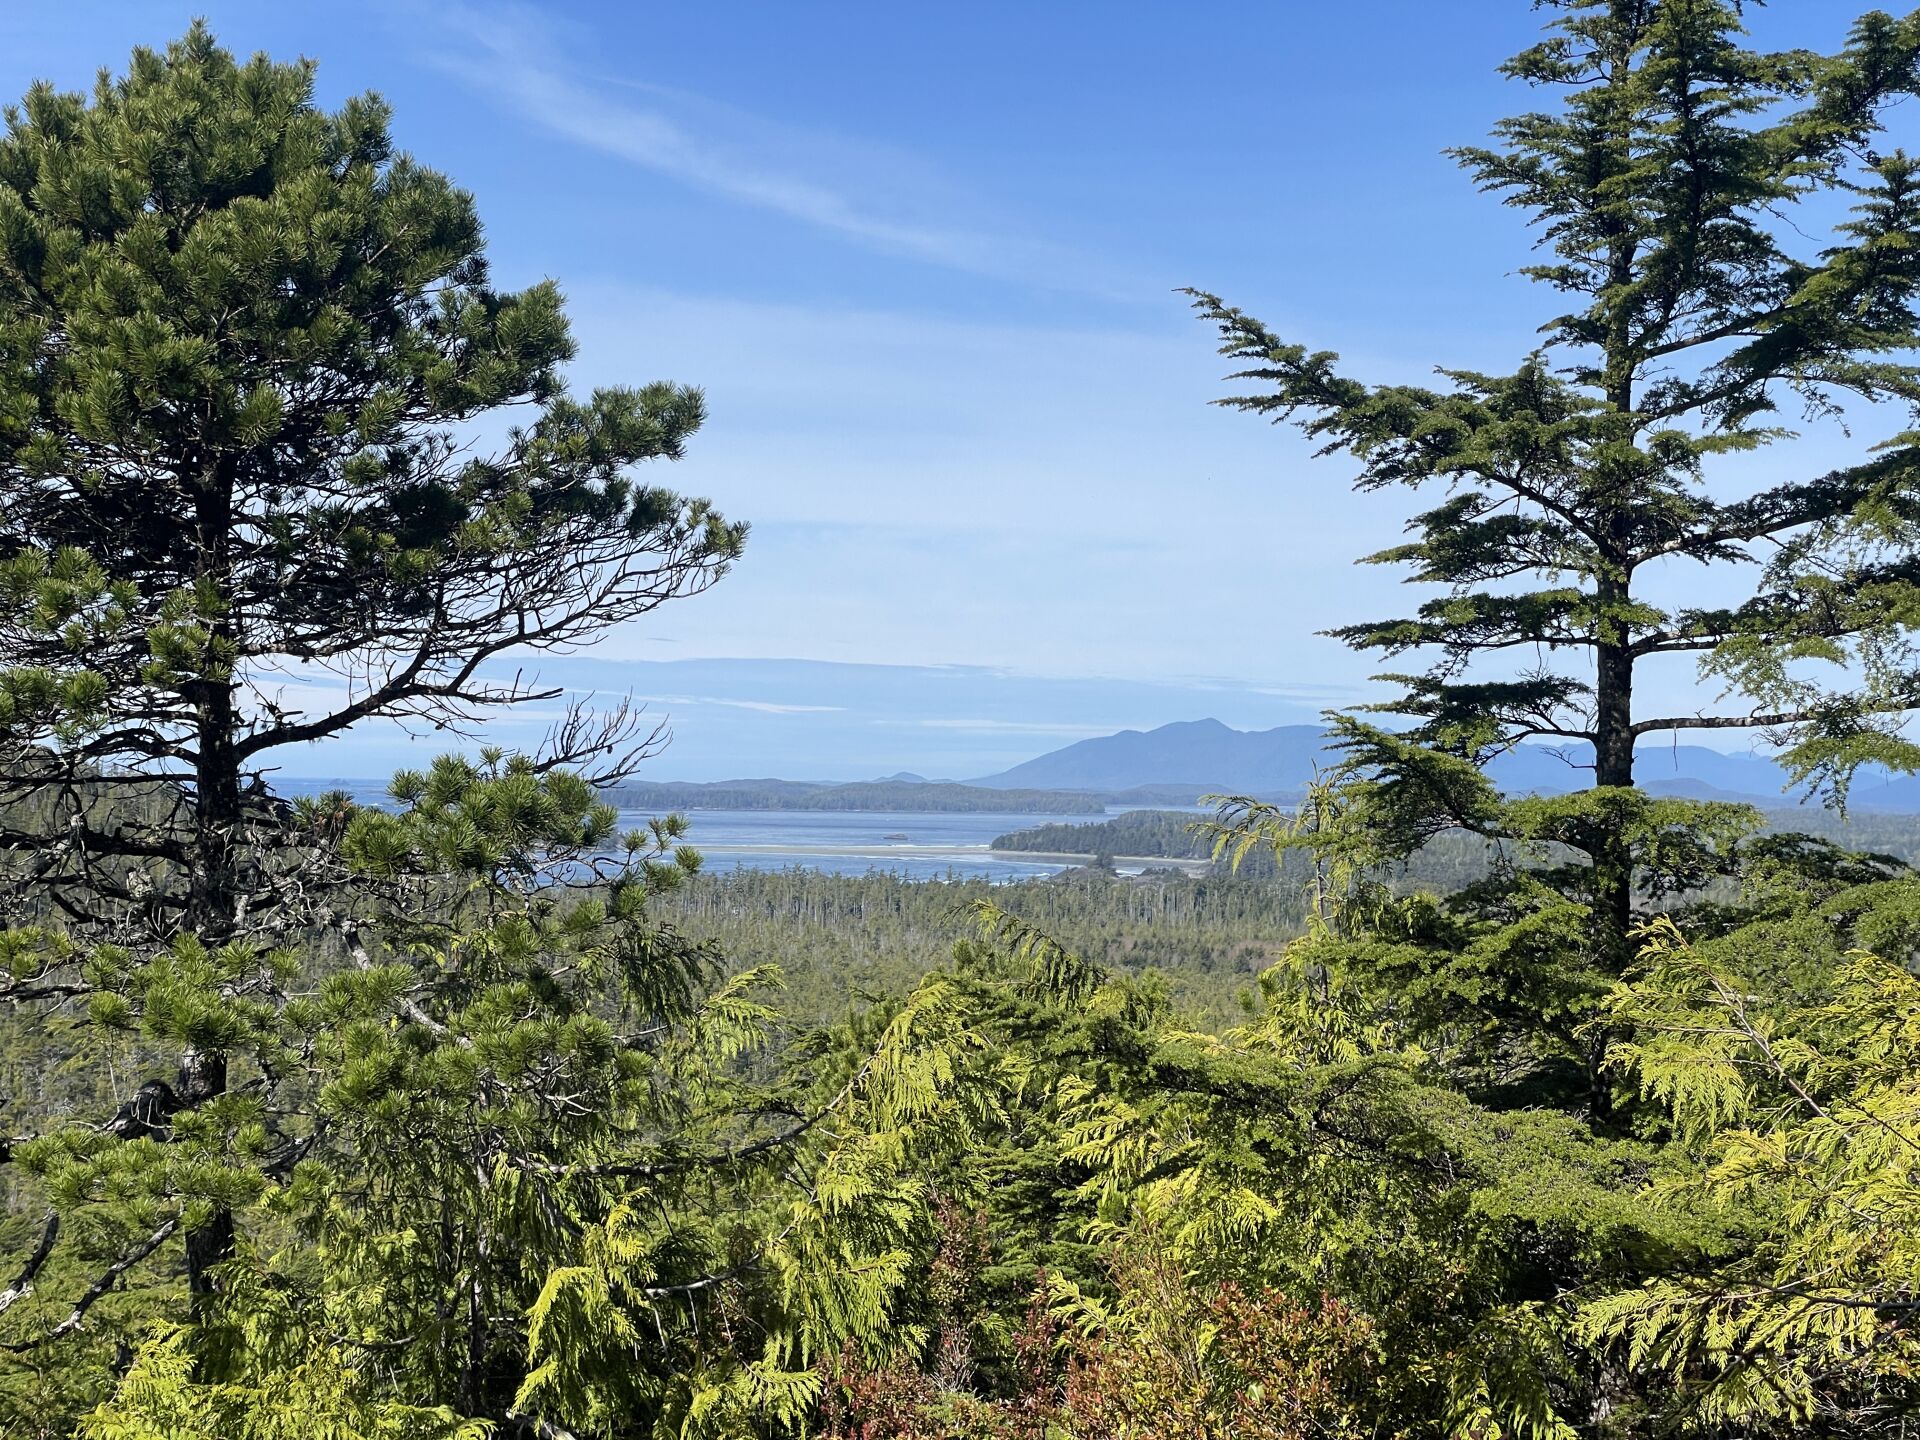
(1678,192)
(456,1110)
(246,350)
(453,1108)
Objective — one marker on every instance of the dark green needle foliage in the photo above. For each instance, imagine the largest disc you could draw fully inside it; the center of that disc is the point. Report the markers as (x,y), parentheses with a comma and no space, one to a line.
(450,1117)
(1727,240)
(1673,193)
(246,354)
(371,1123)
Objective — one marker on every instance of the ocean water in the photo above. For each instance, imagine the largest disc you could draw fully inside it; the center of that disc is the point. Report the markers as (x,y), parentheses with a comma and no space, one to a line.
(917,846)
(855,842)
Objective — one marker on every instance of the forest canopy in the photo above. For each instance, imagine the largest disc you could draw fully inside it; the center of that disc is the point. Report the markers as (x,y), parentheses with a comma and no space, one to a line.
(1430,1111)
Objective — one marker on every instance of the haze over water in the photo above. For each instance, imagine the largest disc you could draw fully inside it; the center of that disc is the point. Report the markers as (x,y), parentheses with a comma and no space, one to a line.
(840,842)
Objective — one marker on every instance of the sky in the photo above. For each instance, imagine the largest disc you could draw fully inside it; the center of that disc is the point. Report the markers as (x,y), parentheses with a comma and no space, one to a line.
(924,260)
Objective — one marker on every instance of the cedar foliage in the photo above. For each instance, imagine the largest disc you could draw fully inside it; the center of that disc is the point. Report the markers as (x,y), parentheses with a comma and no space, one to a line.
(1807,1109)
(471,1128)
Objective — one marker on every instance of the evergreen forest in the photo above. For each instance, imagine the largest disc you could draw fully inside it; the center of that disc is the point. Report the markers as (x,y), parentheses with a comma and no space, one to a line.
(1428,1111)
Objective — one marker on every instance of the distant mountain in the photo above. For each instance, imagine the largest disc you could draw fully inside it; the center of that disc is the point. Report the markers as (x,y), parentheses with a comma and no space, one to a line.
(1197,755)
(1194,756)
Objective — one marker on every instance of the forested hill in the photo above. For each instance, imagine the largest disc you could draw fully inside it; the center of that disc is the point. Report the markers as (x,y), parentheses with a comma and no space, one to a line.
(906,796)
(1136,832)
(1278,764)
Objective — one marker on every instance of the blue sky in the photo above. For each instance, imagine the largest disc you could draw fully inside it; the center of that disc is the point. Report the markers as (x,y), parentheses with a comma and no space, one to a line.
(922,257)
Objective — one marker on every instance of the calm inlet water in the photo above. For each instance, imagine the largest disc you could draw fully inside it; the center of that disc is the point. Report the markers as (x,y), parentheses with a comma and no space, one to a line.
(843,842)
(854,842)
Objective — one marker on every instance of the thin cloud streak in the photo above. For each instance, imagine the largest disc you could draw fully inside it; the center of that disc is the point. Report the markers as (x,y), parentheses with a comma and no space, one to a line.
(1011,727)
(765,707)
(512,54)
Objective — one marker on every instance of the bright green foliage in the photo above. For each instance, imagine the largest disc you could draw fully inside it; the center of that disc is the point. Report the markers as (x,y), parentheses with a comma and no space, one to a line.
(1806,1110)
(313,1398)
(521,1149)
(1314,1152)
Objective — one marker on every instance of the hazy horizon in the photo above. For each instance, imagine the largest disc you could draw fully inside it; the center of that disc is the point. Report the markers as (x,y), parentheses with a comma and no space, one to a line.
(831,721)
(927,275)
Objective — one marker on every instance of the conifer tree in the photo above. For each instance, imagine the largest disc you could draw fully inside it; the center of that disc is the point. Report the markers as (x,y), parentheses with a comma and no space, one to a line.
(246,350)
(454,1112)
(1805,1111)
(430,1091)
(1682,193)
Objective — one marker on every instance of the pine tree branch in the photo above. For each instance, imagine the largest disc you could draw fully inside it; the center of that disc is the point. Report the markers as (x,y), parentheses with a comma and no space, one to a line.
(23,1283)
(100,1287)
(17,993)
(79,835)
(540,1429)
(349,932)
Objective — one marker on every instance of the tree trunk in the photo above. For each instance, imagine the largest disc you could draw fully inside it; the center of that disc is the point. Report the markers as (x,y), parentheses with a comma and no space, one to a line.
(203,1076)
(1613,767)
(213,899)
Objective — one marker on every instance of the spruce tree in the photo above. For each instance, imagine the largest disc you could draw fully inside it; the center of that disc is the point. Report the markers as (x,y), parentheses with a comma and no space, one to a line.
(1684,192)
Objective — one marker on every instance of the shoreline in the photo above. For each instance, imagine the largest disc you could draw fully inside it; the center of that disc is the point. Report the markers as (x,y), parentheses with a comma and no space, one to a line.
(958,853)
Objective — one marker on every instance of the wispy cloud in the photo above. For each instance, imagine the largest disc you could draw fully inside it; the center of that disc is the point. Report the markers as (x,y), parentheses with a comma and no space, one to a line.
(513,52)
(1014,727)
(765,707)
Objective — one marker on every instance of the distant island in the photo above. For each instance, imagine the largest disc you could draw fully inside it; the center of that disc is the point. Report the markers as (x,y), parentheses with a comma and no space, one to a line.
(880,796)
(1137,832)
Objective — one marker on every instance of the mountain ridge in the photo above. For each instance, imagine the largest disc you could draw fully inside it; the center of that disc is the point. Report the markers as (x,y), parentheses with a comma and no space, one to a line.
(1207,755)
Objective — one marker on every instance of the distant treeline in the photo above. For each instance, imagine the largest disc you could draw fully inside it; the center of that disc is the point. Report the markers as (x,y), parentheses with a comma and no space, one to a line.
(1445,863)
(1135,832)
(1449,859)
(877,795)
